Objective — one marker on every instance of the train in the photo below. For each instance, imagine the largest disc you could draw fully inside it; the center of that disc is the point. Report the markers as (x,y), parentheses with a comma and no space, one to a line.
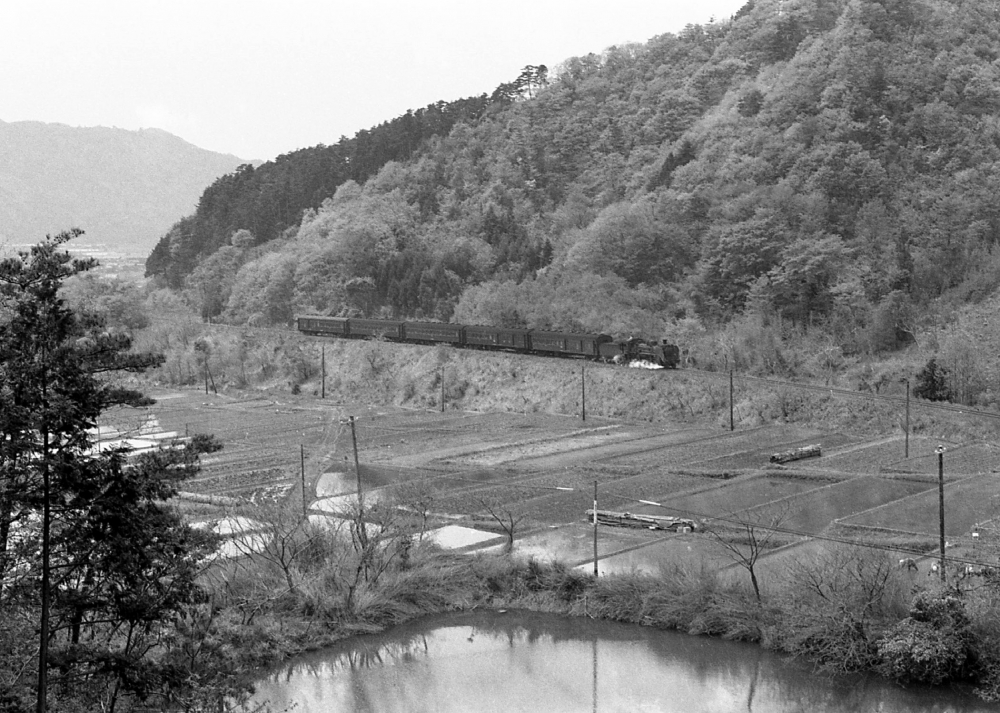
(595,347)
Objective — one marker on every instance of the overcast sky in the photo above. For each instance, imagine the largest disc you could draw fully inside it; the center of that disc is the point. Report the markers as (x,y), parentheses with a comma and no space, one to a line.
(257,79)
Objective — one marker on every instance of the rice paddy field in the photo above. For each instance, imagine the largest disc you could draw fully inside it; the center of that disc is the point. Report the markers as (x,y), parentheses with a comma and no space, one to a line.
(724,450)
(540,469)
(814,510)
(742,494)
(889,456)
(968,501)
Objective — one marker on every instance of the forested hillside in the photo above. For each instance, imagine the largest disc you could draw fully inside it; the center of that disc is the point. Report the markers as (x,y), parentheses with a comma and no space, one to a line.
(826,165)
(271,198)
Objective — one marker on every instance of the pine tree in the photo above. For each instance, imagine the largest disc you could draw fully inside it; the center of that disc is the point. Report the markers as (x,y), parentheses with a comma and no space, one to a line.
(88,549)
(932,383)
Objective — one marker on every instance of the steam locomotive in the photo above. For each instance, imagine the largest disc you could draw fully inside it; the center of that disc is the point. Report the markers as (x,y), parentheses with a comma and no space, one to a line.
(596,347)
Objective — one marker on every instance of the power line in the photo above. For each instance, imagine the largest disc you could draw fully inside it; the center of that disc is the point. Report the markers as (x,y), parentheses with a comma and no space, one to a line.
(691,514)
(800,533)
(775,383)
(703,373)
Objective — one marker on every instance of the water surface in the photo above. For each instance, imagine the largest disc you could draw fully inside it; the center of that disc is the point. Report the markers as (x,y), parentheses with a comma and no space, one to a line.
(524,661)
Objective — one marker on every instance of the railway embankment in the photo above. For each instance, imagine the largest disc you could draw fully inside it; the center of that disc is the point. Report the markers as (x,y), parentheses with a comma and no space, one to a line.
(379,372)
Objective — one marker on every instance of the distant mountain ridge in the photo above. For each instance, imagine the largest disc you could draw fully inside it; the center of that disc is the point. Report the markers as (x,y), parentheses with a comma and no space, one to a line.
(124,188)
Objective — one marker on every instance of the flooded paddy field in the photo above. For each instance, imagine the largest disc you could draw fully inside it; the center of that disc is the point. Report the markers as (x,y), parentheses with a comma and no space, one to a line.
(718,497)
(541,469)
(968,501)
(813,511)
(751,448)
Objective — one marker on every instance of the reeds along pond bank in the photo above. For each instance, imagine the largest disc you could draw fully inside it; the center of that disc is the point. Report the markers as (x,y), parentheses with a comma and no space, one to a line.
(852,609)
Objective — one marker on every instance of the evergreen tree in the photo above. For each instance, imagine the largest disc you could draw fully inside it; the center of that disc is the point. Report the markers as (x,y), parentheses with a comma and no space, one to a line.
(88,550)
(932,383)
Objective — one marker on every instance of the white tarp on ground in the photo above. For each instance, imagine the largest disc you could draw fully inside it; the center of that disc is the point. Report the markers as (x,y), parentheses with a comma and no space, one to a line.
(343,503)
(149,429)
(147,437)
(242,545)
(228,526)
(241,535)
(453,537)
(135,445)
(331,484)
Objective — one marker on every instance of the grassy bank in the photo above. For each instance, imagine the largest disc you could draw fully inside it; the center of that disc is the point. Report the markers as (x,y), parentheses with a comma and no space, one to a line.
(849,610)
(376,373)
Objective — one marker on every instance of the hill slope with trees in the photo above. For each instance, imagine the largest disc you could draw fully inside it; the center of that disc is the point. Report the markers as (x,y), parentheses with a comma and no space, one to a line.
(271,198)
(823,166)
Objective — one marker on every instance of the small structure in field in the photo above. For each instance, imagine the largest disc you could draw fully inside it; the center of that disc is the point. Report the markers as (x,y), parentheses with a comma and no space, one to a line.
(813,451)
(646,522)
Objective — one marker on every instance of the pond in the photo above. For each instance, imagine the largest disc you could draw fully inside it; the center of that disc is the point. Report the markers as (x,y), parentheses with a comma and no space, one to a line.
(526,661)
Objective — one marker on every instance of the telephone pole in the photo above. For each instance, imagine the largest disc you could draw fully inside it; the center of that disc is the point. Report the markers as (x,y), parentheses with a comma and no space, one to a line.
(357,466)
(940,454)
(732,423)
(906,447)
(302,473)
(595,529)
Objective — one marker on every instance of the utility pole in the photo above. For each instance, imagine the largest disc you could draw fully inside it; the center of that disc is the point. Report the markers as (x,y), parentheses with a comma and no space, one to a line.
(940,454)
(583,393)
(732,423)
(302,471)
(362,533)
(595,529)
(906,447)
(442,388)
(357,466)
(322,371)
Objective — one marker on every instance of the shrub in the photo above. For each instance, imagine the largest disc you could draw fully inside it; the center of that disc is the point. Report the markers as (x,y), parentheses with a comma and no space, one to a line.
(919,652)
(932,645)
(837,605)
(565,582)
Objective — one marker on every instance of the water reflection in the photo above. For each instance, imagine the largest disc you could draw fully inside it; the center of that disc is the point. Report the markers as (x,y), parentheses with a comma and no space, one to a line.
(534,662)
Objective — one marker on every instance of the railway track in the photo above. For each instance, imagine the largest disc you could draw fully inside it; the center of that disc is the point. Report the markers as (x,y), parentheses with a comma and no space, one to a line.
(848,393)
(719,376)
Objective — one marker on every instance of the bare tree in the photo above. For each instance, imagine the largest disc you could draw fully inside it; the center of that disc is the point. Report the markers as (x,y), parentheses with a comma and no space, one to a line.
(276,534)
(840,594)
(747,535)
(377,541)
(505,516)
(416,498)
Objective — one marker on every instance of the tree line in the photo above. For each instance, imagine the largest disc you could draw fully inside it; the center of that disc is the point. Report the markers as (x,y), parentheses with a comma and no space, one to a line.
(271,198)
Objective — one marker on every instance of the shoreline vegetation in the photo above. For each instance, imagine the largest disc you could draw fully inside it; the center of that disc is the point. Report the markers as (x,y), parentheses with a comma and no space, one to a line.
(850,610)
